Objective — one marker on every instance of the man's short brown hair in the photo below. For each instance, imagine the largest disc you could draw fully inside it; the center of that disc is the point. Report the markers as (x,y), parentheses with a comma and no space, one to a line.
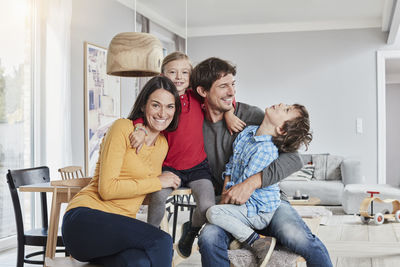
(210,70)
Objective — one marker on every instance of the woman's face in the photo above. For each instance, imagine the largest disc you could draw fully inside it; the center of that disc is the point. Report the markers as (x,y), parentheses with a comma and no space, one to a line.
(159,110)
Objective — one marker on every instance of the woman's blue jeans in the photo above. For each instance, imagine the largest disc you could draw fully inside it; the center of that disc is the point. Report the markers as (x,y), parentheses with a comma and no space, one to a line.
(115,240)
(286,226)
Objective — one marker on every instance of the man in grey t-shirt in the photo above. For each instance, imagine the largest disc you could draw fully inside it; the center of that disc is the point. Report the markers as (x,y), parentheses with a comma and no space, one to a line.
(213,79)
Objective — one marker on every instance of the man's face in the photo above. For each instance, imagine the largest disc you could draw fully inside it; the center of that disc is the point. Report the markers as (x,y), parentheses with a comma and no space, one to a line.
(221,94)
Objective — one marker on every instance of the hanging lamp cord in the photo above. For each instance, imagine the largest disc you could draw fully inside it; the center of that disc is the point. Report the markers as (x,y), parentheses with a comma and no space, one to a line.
(186,26)
(135,14)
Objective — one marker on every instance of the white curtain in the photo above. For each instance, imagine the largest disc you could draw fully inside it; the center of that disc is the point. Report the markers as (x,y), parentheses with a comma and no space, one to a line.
(57,89)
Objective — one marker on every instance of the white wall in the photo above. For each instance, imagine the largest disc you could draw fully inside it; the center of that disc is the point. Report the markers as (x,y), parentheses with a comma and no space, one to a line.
(392,134)
(94,21)
(333,73)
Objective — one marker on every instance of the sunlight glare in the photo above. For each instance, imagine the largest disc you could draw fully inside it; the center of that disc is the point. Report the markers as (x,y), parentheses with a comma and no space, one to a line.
(14,18)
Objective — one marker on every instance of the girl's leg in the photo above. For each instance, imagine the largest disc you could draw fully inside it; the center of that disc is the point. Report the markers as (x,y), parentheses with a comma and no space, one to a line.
(116,240)
(156,209)
(203,192)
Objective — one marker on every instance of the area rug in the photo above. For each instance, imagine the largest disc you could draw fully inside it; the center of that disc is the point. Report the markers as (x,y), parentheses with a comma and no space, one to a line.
(281,257)
(314,211)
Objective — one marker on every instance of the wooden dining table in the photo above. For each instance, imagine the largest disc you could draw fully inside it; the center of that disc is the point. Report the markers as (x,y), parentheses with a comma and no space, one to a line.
(63,191)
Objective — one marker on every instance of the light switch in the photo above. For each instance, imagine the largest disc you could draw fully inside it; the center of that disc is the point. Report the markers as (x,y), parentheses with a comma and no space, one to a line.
(359,126)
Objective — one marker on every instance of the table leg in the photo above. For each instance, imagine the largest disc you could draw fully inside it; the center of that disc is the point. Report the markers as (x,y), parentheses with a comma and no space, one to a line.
(53,225)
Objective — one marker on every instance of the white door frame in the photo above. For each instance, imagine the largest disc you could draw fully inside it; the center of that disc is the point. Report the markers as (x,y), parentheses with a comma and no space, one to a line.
(381,57)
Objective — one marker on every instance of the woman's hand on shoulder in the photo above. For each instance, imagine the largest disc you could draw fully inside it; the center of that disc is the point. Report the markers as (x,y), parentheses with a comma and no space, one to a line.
(169,179)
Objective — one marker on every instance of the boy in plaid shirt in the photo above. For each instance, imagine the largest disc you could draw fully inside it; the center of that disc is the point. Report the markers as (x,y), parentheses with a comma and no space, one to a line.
(284,129)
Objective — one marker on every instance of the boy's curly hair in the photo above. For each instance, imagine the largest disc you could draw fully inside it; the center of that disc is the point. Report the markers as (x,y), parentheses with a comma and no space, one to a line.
(297,132)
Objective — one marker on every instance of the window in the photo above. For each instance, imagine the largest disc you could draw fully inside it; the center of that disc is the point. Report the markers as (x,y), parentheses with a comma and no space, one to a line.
(16,109)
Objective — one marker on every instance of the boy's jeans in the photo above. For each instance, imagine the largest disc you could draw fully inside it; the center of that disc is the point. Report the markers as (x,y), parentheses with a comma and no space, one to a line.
(286,225)
(234,219)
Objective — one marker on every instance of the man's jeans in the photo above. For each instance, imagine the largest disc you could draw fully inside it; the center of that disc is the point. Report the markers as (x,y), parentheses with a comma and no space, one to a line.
(286,225)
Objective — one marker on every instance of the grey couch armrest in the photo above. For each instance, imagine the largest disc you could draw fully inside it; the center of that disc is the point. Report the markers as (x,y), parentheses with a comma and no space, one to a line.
(351,172)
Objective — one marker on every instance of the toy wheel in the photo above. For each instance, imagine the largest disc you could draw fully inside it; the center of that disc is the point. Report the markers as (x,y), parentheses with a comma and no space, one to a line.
(397,216)
(364,219)
(378,218)
(385,211)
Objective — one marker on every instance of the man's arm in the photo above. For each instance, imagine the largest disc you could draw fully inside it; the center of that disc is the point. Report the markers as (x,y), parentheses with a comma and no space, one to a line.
(227,179)
(240,193)
(282,167)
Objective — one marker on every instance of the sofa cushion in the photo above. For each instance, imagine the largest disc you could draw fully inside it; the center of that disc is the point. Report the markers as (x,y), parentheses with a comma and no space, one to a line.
(351,172)
(327,167)
(320,162)
(333,168)
(306,158)
(305,174)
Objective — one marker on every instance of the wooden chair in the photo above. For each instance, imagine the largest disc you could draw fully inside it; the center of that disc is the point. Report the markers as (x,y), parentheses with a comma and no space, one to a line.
(71,172)
(38,236)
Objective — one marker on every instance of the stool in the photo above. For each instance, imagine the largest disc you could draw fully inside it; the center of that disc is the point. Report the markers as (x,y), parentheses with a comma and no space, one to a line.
(178,200)
(354,194)
(281,255)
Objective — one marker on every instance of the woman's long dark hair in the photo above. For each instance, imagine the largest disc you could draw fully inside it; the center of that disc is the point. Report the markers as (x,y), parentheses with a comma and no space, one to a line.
(152,85)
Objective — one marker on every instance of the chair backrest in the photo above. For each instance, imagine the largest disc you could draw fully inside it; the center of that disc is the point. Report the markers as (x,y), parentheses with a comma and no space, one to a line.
(17,178)
(71,172)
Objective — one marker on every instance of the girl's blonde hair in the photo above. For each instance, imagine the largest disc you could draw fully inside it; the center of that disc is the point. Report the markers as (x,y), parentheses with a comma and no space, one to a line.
(175,56)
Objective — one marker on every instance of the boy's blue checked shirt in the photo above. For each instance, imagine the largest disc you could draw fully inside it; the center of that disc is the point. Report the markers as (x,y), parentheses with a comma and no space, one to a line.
(251,154)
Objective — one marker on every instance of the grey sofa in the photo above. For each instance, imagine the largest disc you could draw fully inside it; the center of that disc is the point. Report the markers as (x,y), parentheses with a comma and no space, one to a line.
(325,177)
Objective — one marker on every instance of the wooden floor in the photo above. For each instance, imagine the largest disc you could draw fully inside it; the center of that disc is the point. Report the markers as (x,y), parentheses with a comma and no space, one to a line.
(349,243)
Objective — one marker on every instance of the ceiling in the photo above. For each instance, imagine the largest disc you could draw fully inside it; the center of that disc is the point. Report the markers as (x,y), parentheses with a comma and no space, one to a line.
(219,17)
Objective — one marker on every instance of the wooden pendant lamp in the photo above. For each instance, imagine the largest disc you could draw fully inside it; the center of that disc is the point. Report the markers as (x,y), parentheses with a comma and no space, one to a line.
(134,54)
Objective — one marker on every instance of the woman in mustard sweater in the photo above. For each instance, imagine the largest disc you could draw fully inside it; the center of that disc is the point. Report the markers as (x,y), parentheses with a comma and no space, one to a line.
(100,222)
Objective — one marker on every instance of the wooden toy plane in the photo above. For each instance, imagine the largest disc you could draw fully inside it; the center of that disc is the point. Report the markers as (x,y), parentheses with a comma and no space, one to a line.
(378,217)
